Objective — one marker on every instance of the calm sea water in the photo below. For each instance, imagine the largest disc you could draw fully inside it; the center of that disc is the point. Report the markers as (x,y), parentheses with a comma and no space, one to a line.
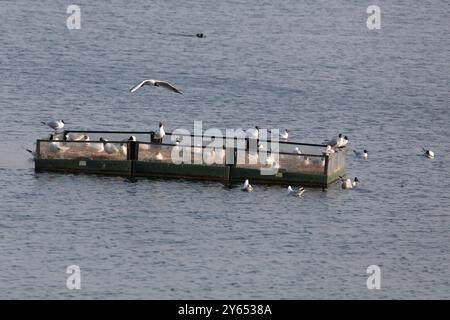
(312,67)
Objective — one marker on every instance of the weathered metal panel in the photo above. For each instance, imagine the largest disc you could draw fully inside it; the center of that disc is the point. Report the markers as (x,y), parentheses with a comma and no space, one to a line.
(112,167)
(190,171)
(240,174)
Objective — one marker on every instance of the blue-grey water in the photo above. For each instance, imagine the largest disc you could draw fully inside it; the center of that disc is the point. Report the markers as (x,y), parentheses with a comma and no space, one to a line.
(311,66)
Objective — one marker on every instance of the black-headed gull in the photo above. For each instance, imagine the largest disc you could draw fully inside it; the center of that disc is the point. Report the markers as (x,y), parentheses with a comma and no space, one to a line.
(161,133)
(428,153)
(55,124)
(156,83)
(296,193)
(344,142)
(55,146)
(73,136)
(346,183)
(247,186)
(336,143)
(285,134)
(363,154)
(253,133)
(109,148)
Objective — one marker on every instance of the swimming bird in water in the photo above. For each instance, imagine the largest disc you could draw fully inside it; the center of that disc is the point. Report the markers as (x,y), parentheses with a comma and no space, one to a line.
(247,186)
(296,193)
(156,83)
(355,182)
(347,184)
(363,154)
(198,35)
(428,153)
(55,124)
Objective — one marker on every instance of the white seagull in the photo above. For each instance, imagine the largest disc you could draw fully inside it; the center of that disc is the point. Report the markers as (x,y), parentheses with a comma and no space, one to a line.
(296,193)
(253,133)
(344,142)
(247,186)
(329,149)
(161,133)
(347,184)
(336,143)
(97,146)
(428,153)
(109,148)
(156,83)
(285,134)
(73,136)
(56,146)
(55,124)
(220,156)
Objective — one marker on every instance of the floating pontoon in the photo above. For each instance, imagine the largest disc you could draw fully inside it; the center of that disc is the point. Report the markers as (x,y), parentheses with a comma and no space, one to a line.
(235,160)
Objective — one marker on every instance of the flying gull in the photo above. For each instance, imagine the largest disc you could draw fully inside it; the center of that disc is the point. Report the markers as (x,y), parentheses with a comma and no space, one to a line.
(156,83)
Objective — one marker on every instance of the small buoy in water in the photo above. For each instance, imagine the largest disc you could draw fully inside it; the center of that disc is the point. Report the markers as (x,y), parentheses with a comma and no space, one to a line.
(200,35)
(247,186)
(428,153)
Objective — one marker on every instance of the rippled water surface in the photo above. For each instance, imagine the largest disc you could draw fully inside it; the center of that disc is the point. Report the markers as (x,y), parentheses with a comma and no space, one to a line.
(312,67)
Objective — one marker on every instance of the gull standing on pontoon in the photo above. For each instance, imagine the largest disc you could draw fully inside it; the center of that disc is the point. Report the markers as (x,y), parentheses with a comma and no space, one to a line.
(55,124)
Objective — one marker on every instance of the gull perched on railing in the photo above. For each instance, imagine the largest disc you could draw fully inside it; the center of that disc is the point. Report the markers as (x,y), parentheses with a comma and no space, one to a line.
(55,124)
(156,83)
(337,142)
